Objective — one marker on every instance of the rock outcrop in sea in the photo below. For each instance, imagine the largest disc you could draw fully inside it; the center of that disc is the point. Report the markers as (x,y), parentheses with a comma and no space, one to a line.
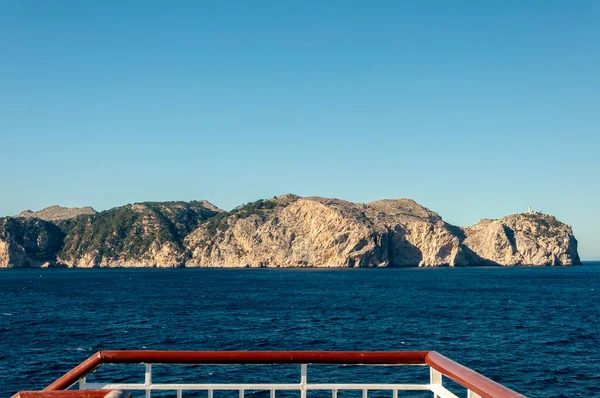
(285,231)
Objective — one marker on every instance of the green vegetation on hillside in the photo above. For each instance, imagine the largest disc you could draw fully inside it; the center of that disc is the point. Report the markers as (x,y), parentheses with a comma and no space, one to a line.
(259,208)
(128,232)
(40,239)
(548,226)
(104,232)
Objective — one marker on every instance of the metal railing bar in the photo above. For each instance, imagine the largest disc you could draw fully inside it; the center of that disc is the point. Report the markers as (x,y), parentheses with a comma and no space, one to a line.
(303,379)
(471,394)
(367,386)
(435,376)
(148,378)
(201,387)
(266,357)
(441,391)
(148,374)
(257,386)
(73,394)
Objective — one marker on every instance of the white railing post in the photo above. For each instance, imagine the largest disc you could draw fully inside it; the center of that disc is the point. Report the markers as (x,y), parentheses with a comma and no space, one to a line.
(148,379)
(82,383)
(435,378)
(210,393)
(179,393)
(472,394)
(303,377)
(334,393)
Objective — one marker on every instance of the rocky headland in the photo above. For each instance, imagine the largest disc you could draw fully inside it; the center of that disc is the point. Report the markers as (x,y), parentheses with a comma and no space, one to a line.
(285,231)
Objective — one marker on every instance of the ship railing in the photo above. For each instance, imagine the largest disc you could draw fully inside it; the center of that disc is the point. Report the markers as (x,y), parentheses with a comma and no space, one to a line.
(440,368)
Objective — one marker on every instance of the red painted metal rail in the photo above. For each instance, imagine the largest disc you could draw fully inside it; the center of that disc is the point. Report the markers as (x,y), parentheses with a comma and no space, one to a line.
(468,378)
(73,394)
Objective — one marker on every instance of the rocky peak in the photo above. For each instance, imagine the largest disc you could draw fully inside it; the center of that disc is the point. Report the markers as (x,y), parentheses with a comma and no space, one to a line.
(403,209)
(57,213)
(209,206)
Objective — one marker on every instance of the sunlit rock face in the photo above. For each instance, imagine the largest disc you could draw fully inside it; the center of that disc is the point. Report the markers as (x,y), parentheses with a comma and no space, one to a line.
(290,231)
(523,239)
(285,231)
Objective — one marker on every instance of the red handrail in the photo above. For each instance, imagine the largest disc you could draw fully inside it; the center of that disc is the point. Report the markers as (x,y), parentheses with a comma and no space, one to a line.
(466,377)
(266,357)
(237,357)
(84,368)
(73,394)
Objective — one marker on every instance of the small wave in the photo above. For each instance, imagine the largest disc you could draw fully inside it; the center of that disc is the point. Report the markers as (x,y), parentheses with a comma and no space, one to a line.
(6,314)
(557,342)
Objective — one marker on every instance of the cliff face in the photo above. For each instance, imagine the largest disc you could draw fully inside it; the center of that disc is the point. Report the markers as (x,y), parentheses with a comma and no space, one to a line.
(289,231)
(286,231)
(523,239)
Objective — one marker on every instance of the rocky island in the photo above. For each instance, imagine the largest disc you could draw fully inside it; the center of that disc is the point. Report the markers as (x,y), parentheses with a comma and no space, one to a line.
(285,231)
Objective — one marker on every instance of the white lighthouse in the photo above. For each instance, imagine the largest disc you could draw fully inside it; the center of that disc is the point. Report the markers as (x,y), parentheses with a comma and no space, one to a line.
(529,211)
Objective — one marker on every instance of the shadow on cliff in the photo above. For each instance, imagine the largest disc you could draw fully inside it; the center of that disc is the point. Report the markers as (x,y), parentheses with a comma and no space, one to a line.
(40,240)
(400,252)
(467,257)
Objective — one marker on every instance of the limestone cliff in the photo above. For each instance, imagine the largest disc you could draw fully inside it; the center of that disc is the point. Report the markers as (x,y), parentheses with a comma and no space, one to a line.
(290,231)
(523,239)
(285,231)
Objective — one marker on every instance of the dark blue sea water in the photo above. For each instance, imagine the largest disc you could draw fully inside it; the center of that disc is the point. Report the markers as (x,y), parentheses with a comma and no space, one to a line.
(535,330)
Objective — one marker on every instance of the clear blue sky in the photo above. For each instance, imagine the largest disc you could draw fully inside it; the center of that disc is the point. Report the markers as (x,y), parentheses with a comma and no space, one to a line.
(474,109)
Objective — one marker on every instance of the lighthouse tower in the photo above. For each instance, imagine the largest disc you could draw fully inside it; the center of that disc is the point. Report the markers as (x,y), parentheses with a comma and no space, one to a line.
(529,211)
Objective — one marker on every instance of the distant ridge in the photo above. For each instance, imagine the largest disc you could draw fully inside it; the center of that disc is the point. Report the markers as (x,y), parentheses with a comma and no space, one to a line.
(57,213)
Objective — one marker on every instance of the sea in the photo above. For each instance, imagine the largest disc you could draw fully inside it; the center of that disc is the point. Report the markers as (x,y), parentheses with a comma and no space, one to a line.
(535,330)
